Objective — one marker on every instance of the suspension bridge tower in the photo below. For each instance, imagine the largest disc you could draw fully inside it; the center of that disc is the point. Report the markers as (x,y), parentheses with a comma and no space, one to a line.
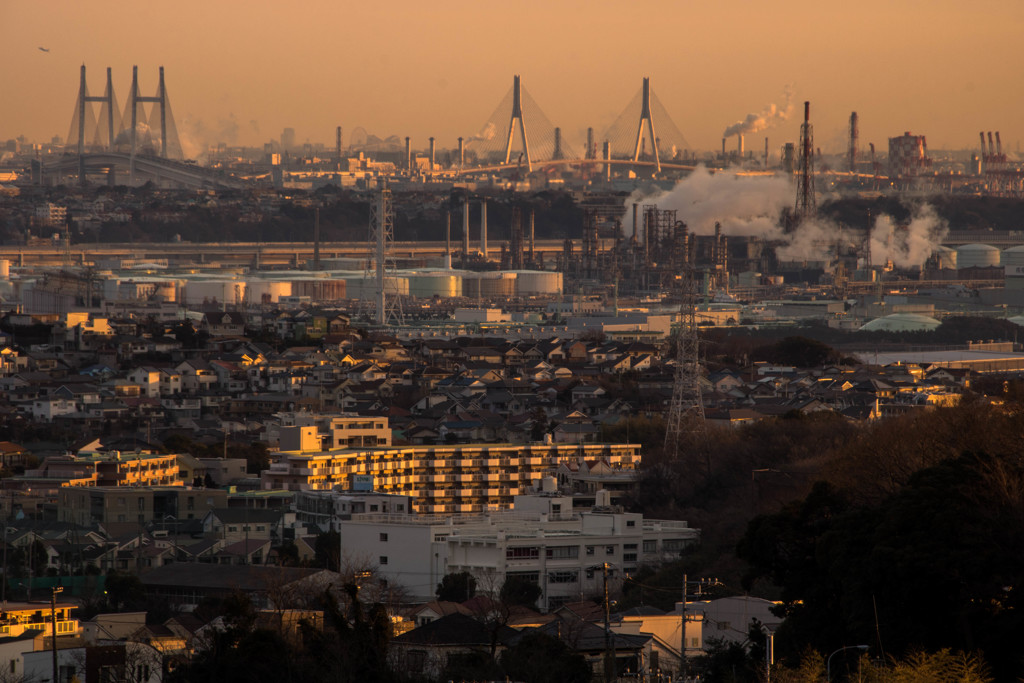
(517,118)
(645,117)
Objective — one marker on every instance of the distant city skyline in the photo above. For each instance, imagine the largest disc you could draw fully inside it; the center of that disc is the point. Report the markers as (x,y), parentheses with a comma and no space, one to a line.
(241,73)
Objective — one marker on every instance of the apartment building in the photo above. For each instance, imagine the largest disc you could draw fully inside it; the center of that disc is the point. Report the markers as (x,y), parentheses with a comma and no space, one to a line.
(134,505)
(334,431)
(541,540)
(461,478)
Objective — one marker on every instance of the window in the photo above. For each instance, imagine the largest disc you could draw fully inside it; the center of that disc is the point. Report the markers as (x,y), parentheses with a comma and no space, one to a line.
(190,504)
(556,508)
(650,546)
(609,550)
(629,557)
(630,522)
(383,560)
(564,577)
(694,642)
(232,528)
(563,552)
(383,538)
(142,503)
(521,553)
(723,625)
(373,508)
(590,550)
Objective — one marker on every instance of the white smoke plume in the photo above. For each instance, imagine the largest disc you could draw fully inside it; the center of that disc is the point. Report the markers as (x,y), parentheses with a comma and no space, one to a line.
(910,245)
(766,118)
(751,205)
(744,205)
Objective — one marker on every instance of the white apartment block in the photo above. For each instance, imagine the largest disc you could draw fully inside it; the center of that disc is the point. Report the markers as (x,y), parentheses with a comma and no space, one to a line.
(460,478)
(563,552)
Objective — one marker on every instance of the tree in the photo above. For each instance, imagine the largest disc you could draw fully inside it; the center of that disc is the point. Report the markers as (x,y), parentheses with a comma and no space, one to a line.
(520,591)
(456,587)
(540,658)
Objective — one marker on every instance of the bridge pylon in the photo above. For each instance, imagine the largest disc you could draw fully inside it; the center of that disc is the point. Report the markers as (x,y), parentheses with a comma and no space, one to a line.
(645,117)
(517,117)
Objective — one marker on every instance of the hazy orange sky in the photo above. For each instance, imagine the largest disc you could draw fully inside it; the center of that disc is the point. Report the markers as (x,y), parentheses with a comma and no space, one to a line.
(242,71)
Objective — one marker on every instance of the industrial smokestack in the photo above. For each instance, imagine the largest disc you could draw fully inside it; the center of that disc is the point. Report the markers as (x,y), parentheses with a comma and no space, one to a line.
(766,152)
(807,112)
(431,154)
(851,153)
(636,206)
(448,240)
(607,157)
(723,148)
(465,227)
(531,234)
(408,156)
(316,237)
(337,146)
(739,145)
(462,154)
(590,144)
(483,228)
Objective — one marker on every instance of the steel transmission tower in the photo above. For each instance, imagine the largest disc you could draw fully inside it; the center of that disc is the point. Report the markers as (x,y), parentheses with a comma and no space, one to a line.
(806,205)
(685,424)
(517,116)
(382,235)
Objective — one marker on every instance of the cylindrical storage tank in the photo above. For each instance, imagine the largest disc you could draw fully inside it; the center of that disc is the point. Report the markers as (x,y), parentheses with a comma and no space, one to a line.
(5,268)
(977,256)
(428,285)
(498,285)
(214,291)
(538,282)
(166,291)
(1013,267)
(945,258)
(360,288)
(320,290)
(267,291)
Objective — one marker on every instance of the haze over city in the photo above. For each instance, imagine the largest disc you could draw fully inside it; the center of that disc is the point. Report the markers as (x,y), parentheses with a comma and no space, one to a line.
(240,73)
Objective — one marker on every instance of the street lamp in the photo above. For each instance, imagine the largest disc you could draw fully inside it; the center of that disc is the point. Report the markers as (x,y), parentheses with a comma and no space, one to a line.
(828,662)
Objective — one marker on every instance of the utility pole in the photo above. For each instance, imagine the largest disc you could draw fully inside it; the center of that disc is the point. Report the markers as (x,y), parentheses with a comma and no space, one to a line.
(53,627)
(609,654)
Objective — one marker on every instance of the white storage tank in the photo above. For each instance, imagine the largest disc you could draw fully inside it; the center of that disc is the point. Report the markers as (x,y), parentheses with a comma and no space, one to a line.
(945,258)
(359,288)
(5,268)
(428,285)
(214,291)
(266,291)
(1013,265)
(538,283)
(977,256)
(497,285)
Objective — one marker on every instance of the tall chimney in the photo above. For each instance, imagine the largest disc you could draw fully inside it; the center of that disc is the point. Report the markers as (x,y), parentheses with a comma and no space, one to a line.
(483,228)
(316,237)
(766,152)
(739,145)
(448,240)
(590,144)
(462,154)
(465,226)
(337,146)
(723,148)
(607,157)
(531,234)
(431,154)
(408,155)
(635,207)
